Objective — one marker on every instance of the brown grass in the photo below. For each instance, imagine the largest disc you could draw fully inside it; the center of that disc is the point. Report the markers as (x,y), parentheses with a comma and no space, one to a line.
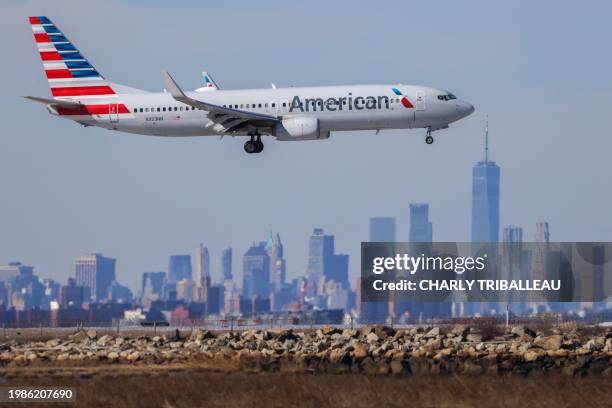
(196,388)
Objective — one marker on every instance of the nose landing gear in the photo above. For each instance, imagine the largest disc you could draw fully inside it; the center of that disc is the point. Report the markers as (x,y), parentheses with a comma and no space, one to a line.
(428,137)
(255,145)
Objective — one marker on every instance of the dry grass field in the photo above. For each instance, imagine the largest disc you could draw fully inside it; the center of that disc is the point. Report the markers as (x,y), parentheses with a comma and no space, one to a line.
(222,388)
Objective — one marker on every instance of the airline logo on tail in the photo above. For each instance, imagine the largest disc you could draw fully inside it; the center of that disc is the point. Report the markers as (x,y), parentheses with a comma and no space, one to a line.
(68,72)
(403,100)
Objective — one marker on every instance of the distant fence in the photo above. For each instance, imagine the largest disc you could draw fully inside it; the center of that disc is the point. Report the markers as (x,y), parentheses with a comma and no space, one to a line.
(545,320)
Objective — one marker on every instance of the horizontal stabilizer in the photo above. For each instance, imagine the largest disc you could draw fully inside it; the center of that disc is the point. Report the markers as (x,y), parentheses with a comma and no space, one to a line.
(56,102)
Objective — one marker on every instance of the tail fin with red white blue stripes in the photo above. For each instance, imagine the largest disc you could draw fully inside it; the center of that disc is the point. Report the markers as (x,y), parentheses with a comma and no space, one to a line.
(69,73)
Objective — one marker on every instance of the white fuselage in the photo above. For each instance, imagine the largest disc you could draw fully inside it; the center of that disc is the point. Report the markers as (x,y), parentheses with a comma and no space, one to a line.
(337,108)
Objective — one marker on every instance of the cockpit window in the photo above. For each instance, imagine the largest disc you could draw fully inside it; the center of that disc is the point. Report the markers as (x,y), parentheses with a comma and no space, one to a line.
(447,97)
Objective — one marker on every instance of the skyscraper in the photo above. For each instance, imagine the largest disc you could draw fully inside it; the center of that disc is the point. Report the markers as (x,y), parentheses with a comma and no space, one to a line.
(382,229)
(274,248)
(485,198)
(323,264)
(541,251)
(179,268)
(202,267)
(226,264)
(96,273)
(320,252)
(152,286)
(421,230)
(256,272)
(512,256)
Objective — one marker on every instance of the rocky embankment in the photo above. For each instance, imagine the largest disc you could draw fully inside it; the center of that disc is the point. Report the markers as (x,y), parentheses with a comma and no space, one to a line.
(370,350)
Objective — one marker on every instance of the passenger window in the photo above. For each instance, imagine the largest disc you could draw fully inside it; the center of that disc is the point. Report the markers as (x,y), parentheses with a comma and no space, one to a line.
(159,109)
(273,105)
(284,104)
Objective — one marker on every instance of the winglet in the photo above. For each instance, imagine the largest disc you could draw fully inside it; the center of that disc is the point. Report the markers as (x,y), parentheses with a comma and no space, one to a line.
(172,86)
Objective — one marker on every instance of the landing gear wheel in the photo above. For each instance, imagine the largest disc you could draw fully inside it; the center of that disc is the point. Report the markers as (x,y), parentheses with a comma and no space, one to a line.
(250,147)
(259,146)
(428,137)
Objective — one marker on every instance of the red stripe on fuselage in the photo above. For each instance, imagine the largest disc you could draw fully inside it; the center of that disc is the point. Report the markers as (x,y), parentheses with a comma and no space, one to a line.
(42,38)
(58,73)
(82,91)
(91,110)
(50,56)
(406,103)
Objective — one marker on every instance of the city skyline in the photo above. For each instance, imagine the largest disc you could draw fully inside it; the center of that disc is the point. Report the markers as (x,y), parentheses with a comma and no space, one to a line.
(157,196)
(419,228)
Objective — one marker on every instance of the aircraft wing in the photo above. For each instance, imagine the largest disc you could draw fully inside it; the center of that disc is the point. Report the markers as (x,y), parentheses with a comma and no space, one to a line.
(226,120)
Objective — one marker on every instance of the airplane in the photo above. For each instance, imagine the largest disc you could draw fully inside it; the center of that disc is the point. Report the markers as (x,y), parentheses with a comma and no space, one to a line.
(80,93)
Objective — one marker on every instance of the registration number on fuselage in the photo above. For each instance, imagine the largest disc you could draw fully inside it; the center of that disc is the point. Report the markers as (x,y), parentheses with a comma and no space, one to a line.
(154,118)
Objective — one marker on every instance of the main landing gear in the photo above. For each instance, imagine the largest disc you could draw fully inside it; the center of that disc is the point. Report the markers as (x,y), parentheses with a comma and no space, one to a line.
(428,137)
(255,145)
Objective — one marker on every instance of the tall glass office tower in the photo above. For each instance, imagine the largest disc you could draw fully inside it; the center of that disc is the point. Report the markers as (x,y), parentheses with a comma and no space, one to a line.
(485,198)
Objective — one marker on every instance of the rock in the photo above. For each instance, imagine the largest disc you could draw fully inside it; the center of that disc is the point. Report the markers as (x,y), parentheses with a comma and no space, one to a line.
(434,332)
(359,351)
(350,333)
(113,355)
(78,336)
(102,341)
(20,359)
(474,338)
(372,338)
(91,334)
(522,331)
(63,356)
(595,344)
(530,355)
(384,331)
(207,334)
(329,330)
(133,357)
(286,335)
(337,356)
(50,343)
(460,330)
(553,342)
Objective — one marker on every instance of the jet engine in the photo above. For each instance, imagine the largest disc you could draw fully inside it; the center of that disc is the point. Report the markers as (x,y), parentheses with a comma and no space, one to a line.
(300,128)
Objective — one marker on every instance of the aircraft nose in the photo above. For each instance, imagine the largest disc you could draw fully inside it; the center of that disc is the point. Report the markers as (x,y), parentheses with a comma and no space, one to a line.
(464,108)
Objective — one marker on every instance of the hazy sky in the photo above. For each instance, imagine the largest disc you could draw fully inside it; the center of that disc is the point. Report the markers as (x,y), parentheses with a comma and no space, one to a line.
(541,70)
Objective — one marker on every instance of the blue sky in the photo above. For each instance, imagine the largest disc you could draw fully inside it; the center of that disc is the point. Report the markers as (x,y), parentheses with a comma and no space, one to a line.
(541,71)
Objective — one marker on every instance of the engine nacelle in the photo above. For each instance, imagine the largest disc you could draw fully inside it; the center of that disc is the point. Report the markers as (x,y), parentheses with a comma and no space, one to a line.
(301,128)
